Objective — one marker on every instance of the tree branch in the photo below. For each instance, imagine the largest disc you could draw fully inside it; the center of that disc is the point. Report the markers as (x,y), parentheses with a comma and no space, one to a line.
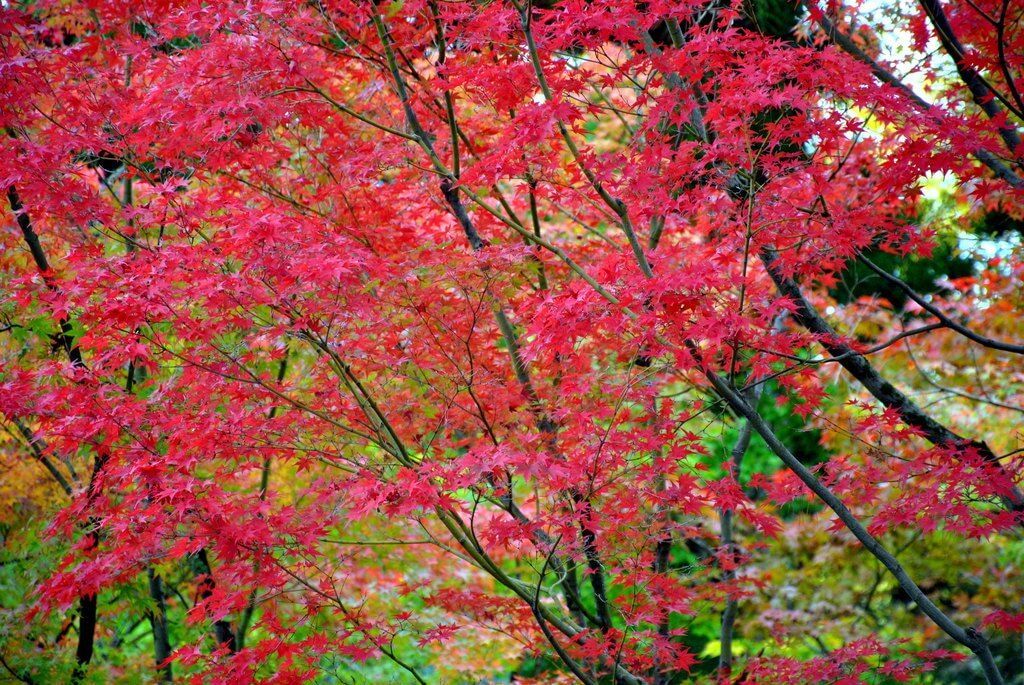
(847,45)
(937,313)
(859,367)
(968,637)
(984,95)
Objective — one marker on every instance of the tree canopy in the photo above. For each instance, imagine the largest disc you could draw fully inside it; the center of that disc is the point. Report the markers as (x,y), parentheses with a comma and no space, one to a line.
(463,341)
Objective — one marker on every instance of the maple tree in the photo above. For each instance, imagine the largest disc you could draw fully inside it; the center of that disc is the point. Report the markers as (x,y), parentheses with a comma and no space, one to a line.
(432,341)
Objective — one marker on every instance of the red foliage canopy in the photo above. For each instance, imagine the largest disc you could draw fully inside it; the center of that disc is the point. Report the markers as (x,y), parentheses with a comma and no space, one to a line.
(291,284)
